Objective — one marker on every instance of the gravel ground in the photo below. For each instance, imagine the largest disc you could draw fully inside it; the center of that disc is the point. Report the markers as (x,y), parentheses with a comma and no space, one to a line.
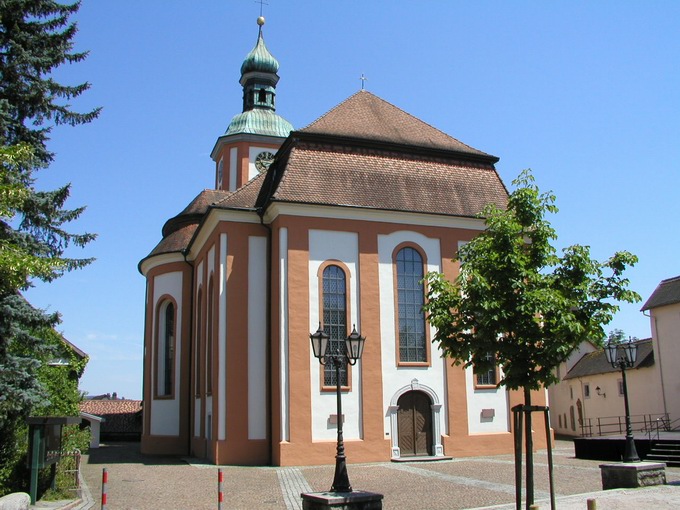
(144,482)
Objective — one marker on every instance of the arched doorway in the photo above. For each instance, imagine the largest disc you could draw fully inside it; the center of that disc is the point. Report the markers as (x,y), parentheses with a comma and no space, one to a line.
(414,423)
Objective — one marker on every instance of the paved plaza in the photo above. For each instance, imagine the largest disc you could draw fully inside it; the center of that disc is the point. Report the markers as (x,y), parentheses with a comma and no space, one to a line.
(144,482)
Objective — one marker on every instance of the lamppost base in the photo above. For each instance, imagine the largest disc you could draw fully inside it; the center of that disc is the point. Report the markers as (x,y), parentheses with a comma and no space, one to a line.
(355,500)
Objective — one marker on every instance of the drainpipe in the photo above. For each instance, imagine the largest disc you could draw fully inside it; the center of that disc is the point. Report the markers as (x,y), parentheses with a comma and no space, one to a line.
(191,405)
(268,322)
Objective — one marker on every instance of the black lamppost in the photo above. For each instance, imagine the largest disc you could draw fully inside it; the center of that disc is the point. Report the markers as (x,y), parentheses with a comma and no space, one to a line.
(623,356)
(353,348)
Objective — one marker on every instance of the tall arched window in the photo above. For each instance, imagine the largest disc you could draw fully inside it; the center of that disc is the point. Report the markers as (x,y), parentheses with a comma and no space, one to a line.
(166,349)
(410,300)
(334,291)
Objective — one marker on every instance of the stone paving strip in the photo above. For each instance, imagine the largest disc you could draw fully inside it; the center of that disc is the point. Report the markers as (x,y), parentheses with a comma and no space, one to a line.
(292,483)
(462,480)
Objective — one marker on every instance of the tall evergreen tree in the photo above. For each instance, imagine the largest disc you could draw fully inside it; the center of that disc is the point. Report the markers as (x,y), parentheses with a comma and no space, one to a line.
(36,37)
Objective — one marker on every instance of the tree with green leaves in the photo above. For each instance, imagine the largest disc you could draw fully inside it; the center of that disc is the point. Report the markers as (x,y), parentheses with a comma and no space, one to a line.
(36,37)
(516,303)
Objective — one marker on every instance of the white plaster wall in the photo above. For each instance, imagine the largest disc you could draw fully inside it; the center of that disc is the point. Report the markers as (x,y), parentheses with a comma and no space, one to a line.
(233,170)
(165,412)
(197,417)
(209,427)
(395,377)
(197,400)
(325,246)
(479,399)
(284,396)
(211,273)
(560,394)
(222,343)
(257,352)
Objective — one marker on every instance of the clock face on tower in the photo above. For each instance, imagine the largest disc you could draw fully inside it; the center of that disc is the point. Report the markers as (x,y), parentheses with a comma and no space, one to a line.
(263,160)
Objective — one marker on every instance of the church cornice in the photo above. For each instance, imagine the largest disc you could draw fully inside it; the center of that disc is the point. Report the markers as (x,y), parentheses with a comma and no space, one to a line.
(242,137)
(340,212)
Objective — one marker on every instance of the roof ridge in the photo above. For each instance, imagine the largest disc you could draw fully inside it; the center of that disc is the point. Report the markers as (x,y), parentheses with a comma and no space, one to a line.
(422,121)
(334,108)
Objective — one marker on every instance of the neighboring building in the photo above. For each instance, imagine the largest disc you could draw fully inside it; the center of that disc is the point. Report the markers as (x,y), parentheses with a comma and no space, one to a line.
(122,419)
(589,398)
(664,316)
(338,228)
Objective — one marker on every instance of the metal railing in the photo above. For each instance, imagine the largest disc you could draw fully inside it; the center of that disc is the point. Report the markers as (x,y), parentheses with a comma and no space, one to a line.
(70,465)
(615,425)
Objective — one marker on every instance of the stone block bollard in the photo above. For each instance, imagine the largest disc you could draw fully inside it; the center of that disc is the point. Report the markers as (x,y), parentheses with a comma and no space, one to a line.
(15,501)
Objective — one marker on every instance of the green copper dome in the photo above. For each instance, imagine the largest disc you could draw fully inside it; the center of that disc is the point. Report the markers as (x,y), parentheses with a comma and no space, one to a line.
(259,59)
(259,79)
(259,122)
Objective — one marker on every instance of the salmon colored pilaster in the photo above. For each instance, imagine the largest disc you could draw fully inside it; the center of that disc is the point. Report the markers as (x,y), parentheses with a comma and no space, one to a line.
(237,337)
(243,161)
(371,362)
(455,375)
(185,401)
(300,412)
(148,350)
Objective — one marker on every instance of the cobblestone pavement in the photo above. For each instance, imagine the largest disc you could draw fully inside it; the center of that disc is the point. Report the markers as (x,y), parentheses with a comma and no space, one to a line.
(144,482)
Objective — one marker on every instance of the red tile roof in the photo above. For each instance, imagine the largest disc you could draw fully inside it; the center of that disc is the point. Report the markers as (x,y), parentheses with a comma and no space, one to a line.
(387,181)
(364,153)
(366,116)
(122,418)
(109,407)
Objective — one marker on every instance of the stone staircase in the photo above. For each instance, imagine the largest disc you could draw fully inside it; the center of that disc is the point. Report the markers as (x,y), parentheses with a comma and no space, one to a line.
(667,451)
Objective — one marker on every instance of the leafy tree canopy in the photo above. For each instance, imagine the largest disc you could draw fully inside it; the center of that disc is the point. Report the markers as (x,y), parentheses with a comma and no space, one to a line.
(517,298)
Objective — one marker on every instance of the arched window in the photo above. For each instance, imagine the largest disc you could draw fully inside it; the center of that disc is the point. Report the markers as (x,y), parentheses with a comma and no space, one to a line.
(262,96)
(410,300)
(166,349)
(334,292)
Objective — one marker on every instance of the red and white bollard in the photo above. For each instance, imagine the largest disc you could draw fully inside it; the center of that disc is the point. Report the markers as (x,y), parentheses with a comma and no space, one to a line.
(105,480)
(220,494)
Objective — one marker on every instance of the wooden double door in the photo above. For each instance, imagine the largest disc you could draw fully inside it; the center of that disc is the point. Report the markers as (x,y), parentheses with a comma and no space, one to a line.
(414,422)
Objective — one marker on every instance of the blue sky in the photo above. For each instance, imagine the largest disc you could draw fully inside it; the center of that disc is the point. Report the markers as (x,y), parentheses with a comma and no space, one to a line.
(586,94)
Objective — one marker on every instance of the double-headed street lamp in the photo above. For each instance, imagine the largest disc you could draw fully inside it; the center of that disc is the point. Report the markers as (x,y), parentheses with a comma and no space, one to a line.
(350,353)
(623,356)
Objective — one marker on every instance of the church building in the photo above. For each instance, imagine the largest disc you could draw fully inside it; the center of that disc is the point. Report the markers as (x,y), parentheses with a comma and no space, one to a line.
(334,224)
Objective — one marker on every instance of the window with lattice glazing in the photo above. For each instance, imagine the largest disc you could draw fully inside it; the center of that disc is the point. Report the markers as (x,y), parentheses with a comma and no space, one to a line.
(334,290)
(411,297)
(488,377)
(167,349)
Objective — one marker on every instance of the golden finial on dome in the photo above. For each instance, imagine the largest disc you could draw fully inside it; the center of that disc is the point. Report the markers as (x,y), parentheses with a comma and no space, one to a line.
(260,20)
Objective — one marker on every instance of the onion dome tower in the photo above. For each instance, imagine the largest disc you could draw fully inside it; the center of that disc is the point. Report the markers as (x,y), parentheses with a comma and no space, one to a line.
(254,135)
